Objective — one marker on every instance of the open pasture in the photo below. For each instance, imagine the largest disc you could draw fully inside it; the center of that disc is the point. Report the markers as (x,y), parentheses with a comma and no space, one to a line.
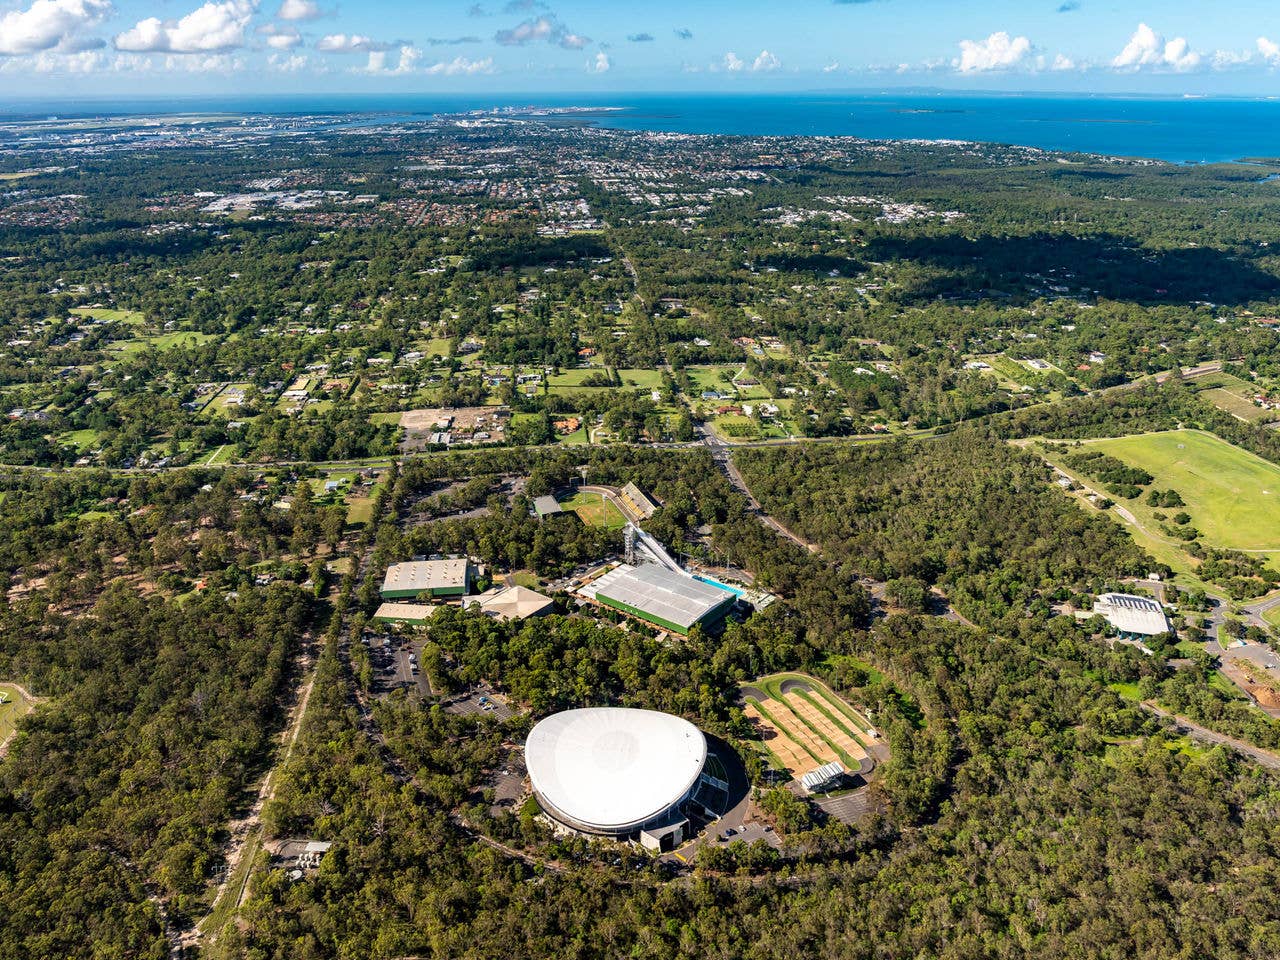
(1231,494)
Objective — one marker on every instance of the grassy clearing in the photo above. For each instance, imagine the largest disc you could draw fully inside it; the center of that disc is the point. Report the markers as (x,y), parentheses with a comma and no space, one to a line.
(1148,536)
(595,511)
(436,347)
(527,579)
(578,436)
(575,377)
(359,511)
(132,317)
(82,440)
(1127,690)
(14,710)
(225,907)
(1237,405)
(641,379)
(713,378)
(223,454)
(1231,494)
(162,341)
(1234,395)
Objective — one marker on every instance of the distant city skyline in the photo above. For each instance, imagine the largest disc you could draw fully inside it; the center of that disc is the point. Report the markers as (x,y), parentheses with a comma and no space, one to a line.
(162,47)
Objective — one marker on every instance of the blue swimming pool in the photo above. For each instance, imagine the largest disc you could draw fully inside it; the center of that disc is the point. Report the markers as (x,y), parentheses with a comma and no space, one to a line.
(716,583)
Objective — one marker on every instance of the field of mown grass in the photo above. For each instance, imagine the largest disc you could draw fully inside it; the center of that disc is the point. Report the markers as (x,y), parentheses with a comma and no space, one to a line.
(595,511)
(1233,496)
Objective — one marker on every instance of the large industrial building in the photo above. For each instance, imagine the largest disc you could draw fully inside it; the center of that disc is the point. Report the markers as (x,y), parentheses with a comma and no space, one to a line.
(1132,616)
(662,597)
(428,578)
(414,614)
(618,773)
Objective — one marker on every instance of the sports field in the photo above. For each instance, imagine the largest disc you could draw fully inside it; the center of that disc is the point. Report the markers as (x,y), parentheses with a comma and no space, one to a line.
(803,725)
(595,511)
(1232,495)
(15,707)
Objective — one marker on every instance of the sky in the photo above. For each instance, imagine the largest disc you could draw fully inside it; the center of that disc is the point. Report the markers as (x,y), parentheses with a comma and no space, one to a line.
(96,48)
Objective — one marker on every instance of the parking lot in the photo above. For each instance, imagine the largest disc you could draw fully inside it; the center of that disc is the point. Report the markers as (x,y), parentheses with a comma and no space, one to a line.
(750,832)
(508,783)
(395,664)
(849,807)
(480,701)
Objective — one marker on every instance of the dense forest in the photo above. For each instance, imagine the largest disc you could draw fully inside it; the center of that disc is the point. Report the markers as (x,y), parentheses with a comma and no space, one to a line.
(209,473)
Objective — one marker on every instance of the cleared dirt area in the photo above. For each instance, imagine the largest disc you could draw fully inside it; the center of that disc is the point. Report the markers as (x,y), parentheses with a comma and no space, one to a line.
(823,725)
(463,424)
(785,750)
(805,725)
(799,731)
(1256,682)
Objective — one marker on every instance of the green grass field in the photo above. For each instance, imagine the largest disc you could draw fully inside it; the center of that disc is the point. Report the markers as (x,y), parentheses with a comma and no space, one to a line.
(575,377)
(14,710)
(1231,494)
(1237,405)
(641,379)
(1272,617)
(1234,396)
(132,317)
(82,440)
(162,341)
(595,511)
(578,436)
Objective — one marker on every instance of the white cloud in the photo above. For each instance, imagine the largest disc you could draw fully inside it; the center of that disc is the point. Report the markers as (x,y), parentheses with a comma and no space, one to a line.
(299,10)
(1269,49)
(47,24)
(537,29)
(831,67)
(213,27)
(1146,48)
(50,61)
(461,66)
(206,63)
(350,43)
(732,63)
(281,38)
(766,62)
(998,52)
(1230,59)
(600,64)
(379,62)
(1061,62)
(290,64)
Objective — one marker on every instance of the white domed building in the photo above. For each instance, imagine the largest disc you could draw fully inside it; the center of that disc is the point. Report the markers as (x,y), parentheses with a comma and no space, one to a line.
(615,772)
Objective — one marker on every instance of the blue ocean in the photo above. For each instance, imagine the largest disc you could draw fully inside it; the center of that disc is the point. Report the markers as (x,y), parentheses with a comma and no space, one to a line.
(1190,130)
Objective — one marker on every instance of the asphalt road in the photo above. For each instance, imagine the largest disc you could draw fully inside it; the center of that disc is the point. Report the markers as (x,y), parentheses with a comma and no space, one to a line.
(1203,734)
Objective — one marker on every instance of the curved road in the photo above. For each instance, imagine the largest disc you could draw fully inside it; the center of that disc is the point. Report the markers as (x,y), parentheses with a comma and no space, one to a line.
(1194,730)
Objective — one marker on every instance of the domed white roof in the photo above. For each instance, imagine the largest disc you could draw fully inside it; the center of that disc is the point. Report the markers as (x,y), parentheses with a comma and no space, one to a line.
(612,768)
